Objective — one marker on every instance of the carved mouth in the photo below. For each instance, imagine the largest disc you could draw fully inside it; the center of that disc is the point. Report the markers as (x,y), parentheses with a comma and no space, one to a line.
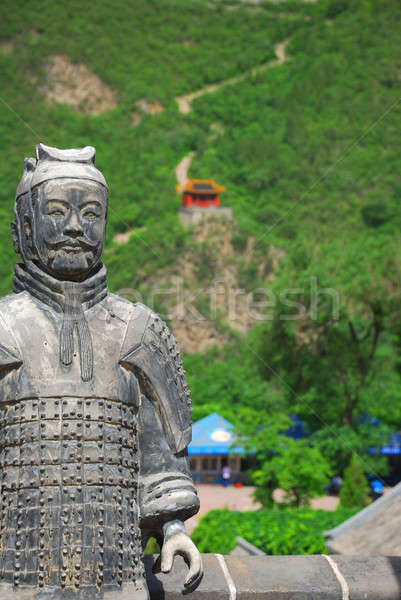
(74,246)
(72,249)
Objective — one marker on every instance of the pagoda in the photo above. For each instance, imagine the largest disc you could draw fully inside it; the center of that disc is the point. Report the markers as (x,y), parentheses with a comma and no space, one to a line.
(202,193)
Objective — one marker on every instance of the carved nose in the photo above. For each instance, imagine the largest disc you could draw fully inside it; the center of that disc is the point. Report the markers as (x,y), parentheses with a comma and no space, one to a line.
(73,227)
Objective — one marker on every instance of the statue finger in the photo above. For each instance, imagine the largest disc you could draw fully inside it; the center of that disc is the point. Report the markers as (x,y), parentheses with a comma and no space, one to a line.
(195,570)
(167,557)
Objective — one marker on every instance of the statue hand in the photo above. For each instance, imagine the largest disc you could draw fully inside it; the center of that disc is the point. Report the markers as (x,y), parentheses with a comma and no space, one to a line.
(177,541)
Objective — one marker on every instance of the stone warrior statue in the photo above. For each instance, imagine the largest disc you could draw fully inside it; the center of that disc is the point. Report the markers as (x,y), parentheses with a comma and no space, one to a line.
(94,407)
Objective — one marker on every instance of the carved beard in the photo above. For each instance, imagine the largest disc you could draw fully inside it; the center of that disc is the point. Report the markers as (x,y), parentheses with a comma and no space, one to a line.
(60,260)
(64,262)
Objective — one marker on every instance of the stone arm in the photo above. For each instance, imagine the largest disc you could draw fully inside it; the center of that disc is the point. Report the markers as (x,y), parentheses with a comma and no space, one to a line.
(166,490)
(167,495)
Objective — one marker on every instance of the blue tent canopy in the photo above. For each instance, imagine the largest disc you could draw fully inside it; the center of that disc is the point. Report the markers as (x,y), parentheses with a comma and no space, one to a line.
(213,435)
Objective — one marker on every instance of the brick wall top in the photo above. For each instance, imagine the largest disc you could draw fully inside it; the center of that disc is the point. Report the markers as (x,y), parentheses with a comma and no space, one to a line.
(334,577)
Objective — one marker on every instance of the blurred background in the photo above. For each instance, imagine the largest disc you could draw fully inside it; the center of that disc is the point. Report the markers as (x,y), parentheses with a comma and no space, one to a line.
(252,152)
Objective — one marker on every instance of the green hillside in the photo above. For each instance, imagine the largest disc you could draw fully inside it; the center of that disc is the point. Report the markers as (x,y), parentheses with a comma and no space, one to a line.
(308,151)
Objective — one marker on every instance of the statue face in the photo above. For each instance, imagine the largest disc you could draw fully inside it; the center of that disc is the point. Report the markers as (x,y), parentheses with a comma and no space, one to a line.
(70,221)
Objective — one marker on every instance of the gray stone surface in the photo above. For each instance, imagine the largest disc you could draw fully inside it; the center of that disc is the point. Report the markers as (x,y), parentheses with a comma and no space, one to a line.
(189,215)
(286,578)
(371,577)
(374,530)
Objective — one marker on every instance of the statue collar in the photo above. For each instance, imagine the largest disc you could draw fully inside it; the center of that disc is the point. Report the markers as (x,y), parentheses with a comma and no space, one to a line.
(70,298)
(54,292)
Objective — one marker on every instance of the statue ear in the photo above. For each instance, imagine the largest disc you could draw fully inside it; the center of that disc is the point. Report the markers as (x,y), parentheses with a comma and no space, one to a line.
(28,238)
(27,227)
(15,237)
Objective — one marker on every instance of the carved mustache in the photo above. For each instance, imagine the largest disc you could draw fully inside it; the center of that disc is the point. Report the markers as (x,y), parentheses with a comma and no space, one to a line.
(73,243)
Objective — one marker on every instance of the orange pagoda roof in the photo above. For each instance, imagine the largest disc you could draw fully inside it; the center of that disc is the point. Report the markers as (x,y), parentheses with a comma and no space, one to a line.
(200,186)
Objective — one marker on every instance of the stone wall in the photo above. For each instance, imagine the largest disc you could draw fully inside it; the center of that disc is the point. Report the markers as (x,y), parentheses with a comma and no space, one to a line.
(190,215)
(284,578)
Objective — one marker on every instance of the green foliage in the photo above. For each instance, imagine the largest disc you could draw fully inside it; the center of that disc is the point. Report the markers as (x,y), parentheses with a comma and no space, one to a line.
(205,259)
(377,214)
(295,466)
(284,531)
(152,547)
(335,357)
(298,469)
(354,488)
(239,241)
(247,275)
(227,381)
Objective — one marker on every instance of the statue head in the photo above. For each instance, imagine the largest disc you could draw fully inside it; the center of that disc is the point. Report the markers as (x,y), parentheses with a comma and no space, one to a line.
(61,212)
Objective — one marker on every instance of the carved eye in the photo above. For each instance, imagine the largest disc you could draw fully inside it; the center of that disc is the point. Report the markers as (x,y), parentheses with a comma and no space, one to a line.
(56,212)
(56,209)
(90,215)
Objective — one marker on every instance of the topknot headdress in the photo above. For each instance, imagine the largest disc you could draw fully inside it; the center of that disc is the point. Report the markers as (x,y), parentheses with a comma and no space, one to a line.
(52,163)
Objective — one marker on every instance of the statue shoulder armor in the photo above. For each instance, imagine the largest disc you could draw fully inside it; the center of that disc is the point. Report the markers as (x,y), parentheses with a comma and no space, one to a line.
(150,350)
(10,354)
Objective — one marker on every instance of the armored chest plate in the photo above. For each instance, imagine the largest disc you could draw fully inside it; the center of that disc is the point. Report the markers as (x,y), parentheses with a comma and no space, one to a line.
(69,492)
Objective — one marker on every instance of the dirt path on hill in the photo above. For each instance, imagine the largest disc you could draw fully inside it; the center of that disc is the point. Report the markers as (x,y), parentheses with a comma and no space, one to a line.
(184,102)
(181,170)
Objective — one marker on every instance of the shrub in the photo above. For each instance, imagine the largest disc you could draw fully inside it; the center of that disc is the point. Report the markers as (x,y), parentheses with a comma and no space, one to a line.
(282,531)
(354,489)
(376,214)
(298,469)
(239,241)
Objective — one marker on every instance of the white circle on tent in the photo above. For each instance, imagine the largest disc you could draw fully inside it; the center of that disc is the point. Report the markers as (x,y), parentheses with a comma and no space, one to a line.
(220,435)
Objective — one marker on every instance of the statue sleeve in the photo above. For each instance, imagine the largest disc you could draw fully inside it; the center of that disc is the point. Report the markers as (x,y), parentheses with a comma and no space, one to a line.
(166,490)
